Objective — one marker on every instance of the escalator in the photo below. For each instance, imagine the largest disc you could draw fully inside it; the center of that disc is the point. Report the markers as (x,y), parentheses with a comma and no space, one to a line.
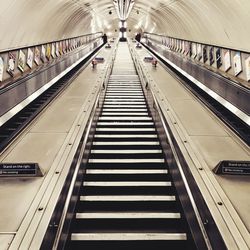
(127,199)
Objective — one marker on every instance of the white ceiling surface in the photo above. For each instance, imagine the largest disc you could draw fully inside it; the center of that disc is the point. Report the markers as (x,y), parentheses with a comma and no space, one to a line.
(219,22)
(28,22)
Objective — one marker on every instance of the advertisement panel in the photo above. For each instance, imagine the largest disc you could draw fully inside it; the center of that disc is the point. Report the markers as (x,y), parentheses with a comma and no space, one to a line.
(237,64)
(205,53)
(178,45)
(227,60)
(247,62)
(57,49)
(48,51)
(11,63)
(37,56)
(67,45)
(211,55)
(64,47)
(21,61)
(30,57)
(199,52)
(43,54)
(60,48)
(190,49)
(167,42)
(194,50)
(218,58)
(183,47)
(187,46)
(1,69)
(53,50)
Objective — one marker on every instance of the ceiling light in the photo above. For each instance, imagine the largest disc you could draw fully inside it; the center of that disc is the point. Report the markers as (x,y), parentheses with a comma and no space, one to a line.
(123,8)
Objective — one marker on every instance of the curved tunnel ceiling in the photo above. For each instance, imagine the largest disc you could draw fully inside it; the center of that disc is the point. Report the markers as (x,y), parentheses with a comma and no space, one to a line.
(220,22)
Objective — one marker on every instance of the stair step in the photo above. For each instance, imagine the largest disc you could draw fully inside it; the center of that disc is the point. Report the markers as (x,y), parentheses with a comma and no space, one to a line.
(124,86)
(126,160)
(116,123)
(125,215)
(103,143)
(125,94)
(122,110)
(127,177)
(124,106)
(140,165)
(128,206)
(124,91)
(126,171)
(125,136)
(127,236)
(124,98)
(124,102)
(132,88)
(124,113)
(136,198)
(128,118)
(128,190)
(135,151)
(127,183)
(125,129)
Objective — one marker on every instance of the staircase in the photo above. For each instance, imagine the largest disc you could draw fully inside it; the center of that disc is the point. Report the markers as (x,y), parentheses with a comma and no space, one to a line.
(127,200)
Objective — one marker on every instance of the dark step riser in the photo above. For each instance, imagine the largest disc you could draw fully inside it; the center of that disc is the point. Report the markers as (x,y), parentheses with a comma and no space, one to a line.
(127,190)
(130,225)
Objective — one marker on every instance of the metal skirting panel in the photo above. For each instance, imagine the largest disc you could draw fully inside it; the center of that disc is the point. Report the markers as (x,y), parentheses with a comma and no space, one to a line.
(230,91)
(17,92)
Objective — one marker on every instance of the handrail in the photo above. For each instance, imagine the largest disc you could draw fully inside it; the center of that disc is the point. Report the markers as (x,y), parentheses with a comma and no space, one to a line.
(79,163)
(171,144)
(110,67)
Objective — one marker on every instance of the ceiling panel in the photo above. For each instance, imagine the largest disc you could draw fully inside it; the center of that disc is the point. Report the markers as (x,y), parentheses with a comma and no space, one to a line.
(221,22)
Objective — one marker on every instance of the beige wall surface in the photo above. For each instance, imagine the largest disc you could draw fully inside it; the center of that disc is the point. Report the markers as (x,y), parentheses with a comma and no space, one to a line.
(218,22)
(29,22)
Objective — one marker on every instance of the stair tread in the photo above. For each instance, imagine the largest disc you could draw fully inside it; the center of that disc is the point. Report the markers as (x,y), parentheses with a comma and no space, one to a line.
(128,236)
(127,215)
(136,198)
(127,183)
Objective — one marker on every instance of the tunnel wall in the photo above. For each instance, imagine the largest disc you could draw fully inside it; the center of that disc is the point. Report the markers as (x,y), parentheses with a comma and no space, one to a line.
(16,64)
(224,23)
(29,22)
(220,60)
(231,91)
(16,92)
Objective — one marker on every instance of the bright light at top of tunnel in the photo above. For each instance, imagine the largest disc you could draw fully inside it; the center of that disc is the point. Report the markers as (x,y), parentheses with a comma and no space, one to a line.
(123,8)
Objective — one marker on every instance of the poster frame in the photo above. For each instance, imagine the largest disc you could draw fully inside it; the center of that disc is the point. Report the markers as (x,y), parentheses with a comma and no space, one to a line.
(21,61)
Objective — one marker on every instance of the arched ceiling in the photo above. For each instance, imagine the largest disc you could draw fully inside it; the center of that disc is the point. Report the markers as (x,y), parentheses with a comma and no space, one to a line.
(27,22)
(219,22)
